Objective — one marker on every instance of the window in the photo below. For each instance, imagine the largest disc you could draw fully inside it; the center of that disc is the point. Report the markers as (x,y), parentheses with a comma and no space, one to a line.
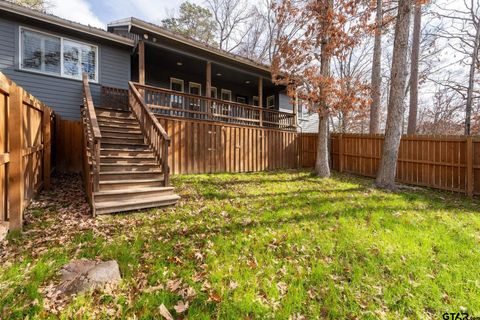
(271,102)
(226,95)
(54,55)
(301,106)
(79,58)
(176,84)
(195,88)
(213,92)
(242,99)
(255,101)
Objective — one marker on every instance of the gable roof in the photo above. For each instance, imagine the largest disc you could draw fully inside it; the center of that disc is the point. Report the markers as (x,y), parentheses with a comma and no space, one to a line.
(162,32)
(60,22)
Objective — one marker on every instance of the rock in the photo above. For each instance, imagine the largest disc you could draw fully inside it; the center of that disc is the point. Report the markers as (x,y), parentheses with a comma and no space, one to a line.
(82,275)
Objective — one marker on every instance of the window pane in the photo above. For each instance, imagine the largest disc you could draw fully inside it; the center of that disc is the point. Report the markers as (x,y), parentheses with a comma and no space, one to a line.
(176,86)
(79,58)
(88,61)
(195,90)
(71,60)
(32,51)
(40,52)
(52,55)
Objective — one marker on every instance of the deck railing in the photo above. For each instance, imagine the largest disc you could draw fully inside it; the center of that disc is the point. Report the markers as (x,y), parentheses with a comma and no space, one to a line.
(152,130)
(92,136)
(115,98)
(178,104)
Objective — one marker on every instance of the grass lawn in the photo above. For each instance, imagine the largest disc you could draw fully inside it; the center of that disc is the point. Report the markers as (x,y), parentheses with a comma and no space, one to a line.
(256,246)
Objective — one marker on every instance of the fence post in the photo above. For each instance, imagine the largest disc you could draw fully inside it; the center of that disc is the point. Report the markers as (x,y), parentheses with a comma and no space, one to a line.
(15,177)
(47,145)
(340,152)
(469,155)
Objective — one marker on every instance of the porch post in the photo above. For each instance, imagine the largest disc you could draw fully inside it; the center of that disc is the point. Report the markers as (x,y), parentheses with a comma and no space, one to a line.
(295,110)
(208,87)
(260,99)
(141,62)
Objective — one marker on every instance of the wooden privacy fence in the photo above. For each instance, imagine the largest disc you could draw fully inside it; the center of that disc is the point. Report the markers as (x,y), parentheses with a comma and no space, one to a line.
(25,143)
(442,162)
(206,147)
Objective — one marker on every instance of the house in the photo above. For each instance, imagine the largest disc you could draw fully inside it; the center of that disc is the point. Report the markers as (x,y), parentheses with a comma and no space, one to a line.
(47,55)
(131,81)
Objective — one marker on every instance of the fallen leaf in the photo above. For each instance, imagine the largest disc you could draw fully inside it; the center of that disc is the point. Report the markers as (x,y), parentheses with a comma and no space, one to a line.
(233,285)
(214,297)
(181,306)
(165,313)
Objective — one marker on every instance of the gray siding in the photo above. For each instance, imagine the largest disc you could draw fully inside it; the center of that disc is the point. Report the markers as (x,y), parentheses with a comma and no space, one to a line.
(63,95)
(284,103)
(308,122)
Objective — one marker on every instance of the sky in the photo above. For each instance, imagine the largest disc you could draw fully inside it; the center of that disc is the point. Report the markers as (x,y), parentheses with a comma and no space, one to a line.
(99,13)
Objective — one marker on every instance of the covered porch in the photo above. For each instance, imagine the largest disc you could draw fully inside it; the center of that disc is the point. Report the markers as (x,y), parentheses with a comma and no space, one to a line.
(178,83)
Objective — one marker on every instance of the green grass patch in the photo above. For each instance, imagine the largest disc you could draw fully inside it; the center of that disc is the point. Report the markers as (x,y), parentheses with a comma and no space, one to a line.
(275,245)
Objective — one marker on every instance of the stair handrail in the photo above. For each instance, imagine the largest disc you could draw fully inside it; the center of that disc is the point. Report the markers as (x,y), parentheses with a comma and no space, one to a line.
(153,131)
(93,132)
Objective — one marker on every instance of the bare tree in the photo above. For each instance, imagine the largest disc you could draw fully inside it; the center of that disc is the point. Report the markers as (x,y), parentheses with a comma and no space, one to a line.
(231,18)
(463,36)
(376,70)
(414,61)
(388,164)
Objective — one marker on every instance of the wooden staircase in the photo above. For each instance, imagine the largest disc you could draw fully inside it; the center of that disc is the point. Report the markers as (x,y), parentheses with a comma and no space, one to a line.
(130,176)
(125,172)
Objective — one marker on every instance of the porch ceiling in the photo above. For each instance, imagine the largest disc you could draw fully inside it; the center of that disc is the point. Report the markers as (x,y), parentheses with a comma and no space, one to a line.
(158,58)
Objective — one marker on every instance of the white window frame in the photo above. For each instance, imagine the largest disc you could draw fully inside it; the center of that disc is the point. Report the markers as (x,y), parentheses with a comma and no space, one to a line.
(195,85)
(61,75)
(176,100)
(178,81)
(242,97)
(272,98)
(255,98)
(216,93)
(226,91)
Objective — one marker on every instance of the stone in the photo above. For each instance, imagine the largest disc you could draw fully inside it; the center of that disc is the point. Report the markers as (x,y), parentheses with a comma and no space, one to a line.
(82,275)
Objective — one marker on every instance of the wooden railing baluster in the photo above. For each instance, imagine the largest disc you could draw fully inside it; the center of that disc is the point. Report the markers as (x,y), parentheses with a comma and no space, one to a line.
(179,104)
(153,131)
(92,144)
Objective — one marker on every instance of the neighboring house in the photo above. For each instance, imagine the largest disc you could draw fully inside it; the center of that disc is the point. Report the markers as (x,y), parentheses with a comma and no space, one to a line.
(47,55)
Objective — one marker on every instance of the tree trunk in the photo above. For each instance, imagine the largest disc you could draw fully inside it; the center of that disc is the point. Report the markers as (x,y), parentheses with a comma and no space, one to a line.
(322,168)
(388,164)
(412,114)
(376,71)
(471,82)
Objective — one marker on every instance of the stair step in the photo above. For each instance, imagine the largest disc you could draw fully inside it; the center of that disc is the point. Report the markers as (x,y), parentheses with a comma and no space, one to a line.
(125,174)
(147,160)
(118,120)
(136,193)
(135,204)
(101,112)
(122,140)
(121,144)
(121,152)
(119,109)
(120,131)
(113,125)
(131,184)
(131,167)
